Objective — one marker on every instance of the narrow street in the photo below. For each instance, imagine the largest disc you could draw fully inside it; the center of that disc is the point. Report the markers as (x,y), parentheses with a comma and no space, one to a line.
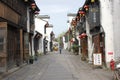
(55,66)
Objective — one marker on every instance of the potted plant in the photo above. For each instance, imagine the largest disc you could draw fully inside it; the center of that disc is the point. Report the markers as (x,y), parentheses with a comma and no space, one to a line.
(31,59)
(75,48)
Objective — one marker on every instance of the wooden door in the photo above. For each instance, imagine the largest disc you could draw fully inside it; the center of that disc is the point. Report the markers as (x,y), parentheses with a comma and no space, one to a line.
(3,44)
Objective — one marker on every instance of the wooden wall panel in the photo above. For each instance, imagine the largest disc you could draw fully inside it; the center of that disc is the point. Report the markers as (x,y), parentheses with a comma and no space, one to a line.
(96,41)
(8,13)
(1,10)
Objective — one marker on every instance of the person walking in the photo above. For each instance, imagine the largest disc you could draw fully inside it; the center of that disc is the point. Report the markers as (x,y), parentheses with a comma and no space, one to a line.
(60,49)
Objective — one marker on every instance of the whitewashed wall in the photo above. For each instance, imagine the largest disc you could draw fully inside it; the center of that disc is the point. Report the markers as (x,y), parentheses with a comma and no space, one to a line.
(116,26)
(39,26)
(107,24)
(65,44)
(48,31)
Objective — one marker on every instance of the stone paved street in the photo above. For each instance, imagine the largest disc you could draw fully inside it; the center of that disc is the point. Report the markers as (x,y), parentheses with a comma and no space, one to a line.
(55,66)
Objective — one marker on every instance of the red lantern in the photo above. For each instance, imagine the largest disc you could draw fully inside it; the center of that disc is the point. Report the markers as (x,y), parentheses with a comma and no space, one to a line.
(82,13)
(83,35)
(86,7)
(80,36)
(33,5)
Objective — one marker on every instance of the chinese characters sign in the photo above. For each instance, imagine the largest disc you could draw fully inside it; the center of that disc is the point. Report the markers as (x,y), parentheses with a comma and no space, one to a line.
(97,59)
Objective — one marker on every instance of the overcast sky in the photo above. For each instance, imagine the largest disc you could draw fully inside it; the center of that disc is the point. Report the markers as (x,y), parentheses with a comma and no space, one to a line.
(58,10)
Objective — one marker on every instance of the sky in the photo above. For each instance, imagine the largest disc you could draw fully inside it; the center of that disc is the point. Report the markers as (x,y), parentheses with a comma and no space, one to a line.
(58,10)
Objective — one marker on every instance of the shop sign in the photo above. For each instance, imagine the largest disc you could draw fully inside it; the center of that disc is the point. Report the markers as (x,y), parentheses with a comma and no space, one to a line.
(97,59)
(110,53)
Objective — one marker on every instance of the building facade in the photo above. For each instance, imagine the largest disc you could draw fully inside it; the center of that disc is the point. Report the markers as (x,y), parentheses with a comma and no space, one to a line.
(110,22)
(15,32)
(99,20)
(46,31)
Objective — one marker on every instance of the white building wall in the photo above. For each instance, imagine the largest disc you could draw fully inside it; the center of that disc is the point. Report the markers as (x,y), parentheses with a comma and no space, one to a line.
(107,24)
(116,27)
(48,31)
(28,19)
(40,46)
(65,44)
(39,26)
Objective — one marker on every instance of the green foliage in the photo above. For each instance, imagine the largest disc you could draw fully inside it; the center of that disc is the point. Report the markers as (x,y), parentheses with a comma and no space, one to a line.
(56,39)
(75,47)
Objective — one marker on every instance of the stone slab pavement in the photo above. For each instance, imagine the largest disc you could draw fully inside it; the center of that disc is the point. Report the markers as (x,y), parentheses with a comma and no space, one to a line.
(56,66)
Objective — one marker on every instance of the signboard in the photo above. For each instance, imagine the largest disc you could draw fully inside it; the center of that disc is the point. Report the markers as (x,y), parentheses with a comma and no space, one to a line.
(94,16)
(97,59)
(110,53)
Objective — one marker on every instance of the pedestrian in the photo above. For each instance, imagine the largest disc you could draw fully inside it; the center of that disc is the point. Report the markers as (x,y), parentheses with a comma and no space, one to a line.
(60,49)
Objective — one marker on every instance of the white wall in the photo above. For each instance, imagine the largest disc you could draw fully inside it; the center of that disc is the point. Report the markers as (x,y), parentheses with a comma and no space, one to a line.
(107,24)
(116,26)
(65,44)
(48,31)
(39,26)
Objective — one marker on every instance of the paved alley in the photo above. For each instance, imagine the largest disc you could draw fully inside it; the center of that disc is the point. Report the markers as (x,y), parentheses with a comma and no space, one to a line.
(55,66)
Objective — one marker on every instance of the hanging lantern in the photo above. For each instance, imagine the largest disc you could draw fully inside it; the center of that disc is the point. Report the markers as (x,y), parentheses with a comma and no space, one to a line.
(92,1)
(82,13)
(33,5)
(86,7)
(83,35)
(80,36)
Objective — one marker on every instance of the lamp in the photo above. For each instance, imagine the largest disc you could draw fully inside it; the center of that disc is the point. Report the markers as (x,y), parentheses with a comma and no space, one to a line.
(82,13)
(33,5)
(80,36)
(83,35)
(86,7)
